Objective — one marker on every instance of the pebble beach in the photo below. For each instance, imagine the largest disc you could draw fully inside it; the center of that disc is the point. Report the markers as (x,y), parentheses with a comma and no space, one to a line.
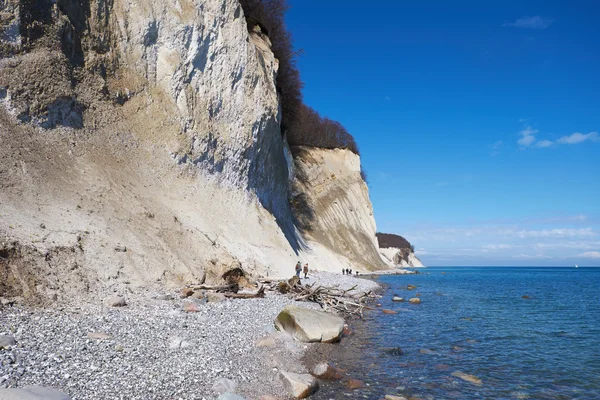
(152,348)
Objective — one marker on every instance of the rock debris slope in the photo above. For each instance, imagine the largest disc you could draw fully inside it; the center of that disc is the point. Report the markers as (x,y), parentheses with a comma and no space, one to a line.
(140,144)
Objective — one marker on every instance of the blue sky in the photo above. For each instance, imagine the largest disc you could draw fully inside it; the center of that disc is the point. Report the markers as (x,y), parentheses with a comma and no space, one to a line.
(478,122)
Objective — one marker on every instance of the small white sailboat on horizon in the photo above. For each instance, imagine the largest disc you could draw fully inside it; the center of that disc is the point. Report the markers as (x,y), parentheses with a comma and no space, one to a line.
(576,266)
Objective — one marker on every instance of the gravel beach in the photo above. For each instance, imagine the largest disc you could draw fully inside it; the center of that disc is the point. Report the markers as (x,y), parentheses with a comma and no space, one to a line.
(153,349)
(149,349)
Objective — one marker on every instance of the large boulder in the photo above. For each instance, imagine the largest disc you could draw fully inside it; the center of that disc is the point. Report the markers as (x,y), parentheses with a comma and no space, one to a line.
(310,326)
(326,372)
(32,393)
(300,386)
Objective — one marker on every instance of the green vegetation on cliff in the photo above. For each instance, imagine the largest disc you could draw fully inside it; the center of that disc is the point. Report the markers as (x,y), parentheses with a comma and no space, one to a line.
(303,125)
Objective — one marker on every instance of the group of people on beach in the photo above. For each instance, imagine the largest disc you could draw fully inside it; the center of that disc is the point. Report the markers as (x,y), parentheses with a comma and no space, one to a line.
(299,269)
(348,271)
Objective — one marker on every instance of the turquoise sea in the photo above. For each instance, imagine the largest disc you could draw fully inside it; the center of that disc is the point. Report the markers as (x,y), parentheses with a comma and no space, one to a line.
(475,321)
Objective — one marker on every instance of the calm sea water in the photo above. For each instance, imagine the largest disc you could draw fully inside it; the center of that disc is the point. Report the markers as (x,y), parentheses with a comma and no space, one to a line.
(474,320)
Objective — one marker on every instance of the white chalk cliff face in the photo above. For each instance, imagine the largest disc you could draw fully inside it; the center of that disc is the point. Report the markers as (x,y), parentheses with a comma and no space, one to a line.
(400,258)
(334,203)
(141,144)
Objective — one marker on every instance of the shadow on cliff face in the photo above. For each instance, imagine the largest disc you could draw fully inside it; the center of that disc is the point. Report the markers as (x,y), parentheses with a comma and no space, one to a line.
(302,210)
(269,179)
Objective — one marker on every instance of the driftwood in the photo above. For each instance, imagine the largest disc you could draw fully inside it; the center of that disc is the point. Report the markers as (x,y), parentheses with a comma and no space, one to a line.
(345,301)
(218,288)
(259,293)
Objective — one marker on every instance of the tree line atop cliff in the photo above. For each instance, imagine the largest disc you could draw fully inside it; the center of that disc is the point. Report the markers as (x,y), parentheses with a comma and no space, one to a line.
(303,125)
(390,240)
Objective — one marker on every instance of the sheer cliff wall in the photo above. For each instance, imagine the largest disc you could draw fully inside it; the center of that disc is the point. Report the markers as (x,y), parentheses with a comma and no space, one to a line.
(141,144)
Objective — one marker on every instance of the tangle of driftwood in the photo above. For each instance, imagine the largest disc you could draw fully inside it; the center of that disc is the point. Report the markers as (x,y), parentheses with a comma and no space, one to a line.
(349,302)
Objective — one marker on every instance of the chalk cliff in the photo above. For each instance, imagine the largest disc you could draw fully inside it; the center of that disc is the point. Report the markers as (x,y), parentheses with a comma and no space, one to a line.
(140,144)
(332,202)
(397,251)
(396,257)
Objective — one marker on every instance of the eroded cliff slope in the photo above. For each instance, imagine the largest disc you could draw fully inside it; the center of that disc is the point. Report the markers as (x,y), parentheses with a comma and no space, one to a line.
(332,202)
(140,144)
(397,251)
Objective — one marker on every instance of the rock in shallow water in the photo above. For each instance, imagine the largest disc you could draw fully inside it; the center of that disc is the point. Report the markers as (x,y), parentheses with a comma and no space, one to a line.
(310,326)
(386,311)
(466,377)
(326,372)
(397,298)
(415,300)
(394,351)
(32,393)
(299,385)
(355,384)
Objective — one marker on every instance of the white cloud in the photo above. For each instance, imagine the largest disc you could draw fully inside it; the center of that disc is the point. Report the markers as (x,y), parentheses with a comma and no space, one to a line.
(527,136)
(535,22)
(577,137)
(544,143)
(497,145)
(531,257)
(500,246)
(590,254)
(556,232)
(579,245)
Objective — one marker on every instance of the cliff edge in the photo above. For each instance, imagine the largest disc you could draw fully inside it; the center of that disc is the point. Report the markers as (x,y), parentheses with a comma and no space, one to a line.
(141,145)
(397,251)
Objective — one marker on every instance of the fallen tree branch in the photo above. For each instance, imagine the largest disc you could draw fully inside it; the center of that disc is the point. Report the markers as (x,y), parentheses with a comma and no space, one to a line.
(259,293)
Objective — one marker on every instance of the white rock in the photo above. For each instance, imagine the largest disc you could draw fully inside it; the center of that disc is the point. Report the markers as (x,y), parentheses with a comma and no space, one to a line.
(215,297)
(325,371)
(33,393)
(115,301)
(178,343)
(299,385)
(309,325)
(7,341)
(224,385)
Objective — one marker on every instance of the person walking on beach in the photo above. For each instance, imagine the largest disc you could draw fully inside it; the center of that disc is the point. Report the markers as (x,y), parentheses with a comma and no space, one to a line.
(298,269)
(343,271)
(305,270)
